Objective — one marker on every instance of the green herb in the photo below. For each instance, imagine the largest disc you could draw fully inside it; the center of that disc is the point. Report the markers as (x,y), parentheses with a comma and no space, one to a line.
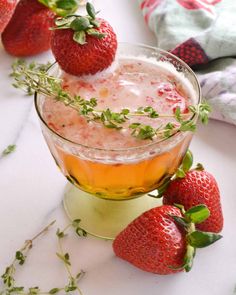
(10,149)
(65,257)
(194,238)
(35,77)
(20,258)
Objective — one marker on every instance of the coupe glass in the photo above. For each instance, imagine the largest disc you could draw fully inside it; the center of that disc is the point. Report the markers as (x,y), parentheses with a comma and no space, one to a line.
(107,187)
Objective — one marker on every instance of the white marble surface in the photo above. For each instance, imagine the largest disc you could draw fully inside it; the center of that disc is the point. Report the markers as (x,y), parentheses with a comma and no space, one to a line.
(31,189)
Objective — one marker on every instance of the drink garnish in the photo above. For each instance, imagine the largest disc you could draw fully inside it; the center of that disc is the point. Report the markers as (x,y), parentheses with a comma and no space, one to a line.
(83,44)
(34,77)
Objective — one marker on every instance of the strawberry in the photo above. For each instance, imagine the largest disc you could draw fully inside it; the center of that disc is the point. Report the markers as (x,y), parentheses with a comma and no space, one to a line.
(6,10)
(163,240)
(197,187)
(83,44)
(192,187)
(28,32)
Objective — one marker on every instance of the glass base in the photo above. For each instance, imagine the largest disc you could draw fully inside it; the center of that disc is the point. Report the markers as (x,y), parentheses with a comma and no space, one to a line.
(104,218)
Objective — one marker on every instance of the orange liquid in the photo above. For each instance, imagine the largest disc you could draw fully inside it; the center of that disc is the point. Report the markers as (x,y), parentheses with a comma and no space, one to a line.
(121,180)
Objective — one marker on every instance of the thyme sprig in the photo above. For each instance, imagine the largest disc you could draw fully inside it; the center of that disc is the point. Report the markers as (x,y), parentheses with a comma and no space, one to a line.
(10,288)
(20,257)
(65,258)
(35,77)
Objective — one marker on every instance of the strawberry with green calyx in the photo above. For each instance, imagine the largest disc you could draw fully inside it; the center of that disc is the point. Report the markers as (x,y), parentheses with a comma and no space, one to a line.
(163,240)
(180,173)
(193,187)
(28,32)
(83,44)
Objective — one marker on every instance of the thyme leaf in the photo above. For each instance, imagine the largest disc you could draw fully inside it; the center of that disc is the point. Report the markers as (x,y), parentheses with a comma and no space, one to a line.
(9,286)
(35,78)
(9,149)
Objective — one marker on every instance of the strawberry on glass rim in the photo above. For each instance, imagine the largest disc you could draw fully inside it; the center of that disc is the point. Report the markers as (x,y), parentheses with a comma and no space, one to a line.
(83,45)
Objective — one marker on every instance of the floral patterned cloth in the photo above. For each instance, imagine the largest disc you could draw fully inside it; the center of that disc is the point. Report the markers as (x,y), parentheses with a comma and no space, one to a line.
(203,34)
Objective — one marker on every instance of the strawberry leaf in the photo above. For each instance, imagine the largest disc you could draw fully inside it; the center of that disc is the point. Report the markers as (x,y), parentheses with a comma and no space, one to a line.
(180,221)
(180,173)
(66,5)
(188,258)
(44,2)
(80,24)
(95,23)
(80,37)
(91,10)
(197,214)
(199,239)
(96,33)
(61,7)
(161,189)
(187,161)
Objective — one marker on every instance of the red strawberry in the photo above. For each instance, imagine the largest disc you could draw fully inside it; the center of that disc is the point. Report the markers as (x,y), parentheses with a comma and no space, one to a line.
(197,187)
(6,10)
(162,240)
(153,242)
(28,32)
(84,45)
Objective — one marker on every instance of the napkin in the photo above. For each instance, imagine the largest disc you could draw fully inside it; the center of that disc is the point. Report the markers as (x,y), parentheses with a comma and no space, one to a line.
(203,34)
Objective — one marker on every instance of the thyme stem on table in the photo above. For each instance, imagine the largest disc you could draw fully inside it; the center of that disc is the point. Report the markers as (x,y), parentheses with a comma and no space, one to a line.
(9,285)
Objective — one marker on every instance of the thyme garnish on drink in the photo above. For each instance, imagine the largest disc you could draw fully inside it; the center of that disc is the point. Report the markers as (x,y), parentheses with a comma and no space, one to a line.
(35,77)
(8,279)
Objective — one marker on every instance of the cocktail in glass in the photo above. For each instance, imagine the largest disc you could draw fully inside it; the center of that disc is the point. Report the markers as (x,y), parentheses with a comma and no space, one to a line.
(109,171)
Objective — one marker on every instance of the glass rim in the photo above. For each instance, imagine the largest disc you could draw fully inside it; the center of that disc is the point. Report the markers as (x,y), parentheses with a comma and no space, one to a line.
(145,145)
